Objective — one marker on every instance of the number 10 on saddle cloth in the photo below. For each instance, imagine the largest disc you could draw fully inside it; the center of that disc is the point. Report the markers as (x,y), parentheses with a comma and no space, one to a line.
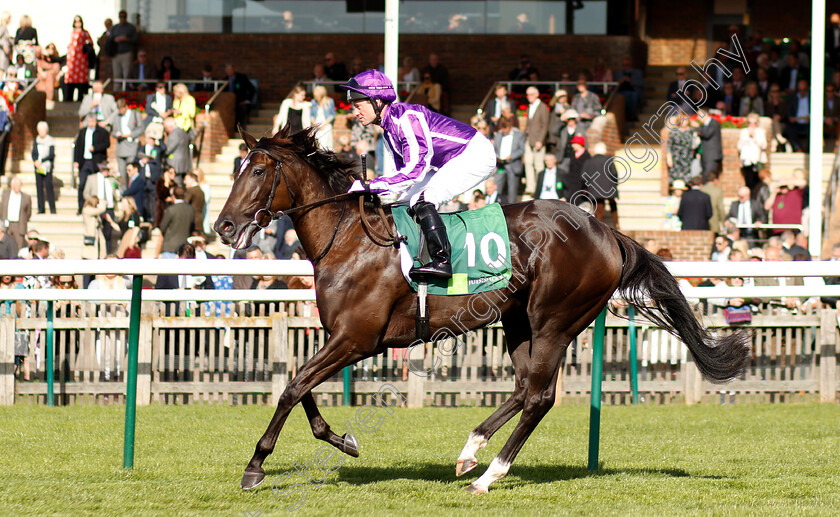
(480,250)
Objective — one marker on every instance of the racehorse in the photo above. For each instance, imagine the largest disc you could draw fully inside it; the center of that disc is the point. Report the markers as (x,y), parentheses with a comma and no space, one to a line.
(565,267)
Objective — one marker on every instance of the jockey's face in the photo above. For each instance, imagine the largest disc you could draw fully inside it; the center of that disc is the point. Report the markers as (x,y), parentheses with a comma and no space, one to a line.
(364,112)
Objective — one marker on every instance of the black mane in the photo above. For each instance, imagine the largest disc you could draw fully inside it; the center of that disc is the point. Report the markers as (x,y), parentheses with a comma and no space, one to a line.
(339,173)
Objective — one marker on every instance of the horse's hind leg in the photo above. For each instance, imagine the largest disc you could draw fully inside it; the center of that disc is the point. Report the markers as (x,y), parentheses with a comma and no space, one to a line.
(321,429)
(517,335)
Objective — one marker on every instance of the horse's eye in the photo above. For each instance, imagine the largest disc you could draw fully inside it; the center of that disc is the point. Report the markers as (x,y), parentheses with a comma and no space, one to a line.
(258,171)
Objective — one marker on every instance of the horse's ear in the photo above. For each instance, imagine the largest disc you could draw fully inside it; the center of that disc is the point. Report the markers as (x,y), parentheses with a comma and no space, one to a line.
(250,141)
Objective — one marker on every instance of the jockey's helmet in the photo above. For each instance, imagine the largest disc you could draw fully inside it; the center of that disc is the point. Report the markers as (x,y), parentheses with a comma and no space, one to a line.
(370,84)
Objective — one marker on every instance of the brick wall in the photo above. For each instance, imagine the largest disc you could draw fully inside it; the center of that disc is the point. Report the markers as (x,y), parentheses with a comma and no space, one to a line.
(29,111)
(278,61)
(676,31)
(685,246)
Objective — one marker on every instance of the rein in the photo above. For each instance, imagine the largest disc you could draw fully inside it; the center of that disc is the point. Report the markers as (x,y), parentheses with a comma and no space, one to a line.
(264,216)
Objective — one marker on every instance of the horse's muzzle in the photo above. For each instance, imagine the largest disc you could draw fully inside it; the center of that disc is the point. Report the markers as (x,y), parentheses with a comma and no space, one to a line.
(226,230)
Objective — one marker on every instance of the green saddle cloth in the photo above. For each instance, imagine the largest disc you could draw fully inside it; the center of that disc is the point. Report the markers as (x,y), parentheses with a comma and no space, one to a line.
(480,249)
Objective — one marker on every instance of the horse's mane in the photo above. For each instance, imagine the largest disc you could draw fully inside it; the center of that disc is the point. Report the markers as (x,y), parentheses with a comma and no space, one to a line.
(339,173)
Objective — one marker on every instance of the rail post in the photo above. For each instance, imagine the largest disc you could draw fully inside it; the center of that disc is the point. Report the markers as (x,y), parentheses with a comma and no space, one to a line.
(50,355)
(634,360)
(595,399)
(131,381)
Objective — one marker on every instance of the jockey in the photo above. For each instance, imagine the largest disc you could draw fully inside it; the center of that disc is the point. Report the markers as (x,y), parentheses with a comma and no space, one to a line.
(429,160)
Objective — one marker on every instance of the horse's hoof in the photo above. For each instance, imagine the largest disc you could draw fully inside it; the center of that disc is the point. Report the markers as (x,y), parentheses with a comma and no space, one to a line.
(473,489)
(252,479)
(464,466)
(349,445)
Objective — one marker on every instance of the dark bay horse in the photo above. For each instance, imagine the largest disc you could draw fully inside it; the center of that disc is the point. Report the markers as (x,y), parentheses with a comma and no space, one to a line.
(566,265)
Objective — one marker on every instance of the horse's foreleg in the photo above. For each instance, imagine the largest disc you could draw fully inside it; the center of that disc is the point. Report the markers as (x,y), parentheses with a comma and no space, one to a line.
(335,355)
(321,429)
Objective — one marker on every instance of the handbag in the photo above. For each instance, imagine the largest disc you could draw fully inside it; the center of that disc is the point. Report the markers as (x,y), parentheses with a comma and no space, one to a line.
(89,240)
(737,315)
(87,49)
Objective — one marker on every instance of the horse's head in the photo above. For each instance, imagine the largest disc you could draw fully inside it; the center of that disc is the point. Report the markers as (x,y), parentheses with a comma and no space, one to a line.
(278,173)
(260,189)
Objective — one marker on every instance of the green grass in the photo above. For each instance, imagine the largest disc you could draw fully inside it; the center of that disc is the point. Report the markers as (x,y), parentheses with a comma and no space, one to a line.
(655,460)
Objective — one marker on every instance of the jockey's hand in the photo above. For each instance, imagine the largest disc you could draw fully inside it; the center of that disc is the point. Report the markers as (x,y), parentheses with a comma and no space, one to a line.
(358,186)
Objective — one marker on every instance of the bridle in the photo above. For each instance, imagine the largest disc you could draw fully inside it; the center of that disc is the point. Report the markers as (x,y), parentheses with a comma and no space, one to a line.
(264,216)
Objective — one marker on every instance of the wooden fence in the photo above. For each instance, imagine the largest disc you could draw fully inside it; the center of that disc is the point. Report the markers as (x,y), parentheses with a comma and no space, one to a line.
(189,356)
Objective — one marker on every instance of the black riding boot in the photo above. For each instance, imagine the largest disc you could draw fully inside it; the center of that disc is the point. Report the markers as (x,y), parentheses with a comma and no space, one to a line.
(438,244)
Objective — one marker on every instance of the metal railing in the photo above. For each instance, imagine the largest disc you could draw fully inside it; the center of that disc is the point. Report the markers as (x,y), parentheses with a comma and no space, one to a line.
(122,83)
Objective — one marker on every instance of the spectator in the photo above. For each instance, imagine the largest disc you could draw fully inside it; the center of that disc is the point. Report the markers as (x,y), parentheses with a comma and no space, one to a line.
(752,149)
(26,37)
(799,114)
(509,144)
(586,104)
(237,162)
(92,239)
(124,35)
(289,244)
(710,143)
(550,181)
(695,207)
(43,158)
(831,301)
(680,150)
(102,186)
(774,254)
(295,112)
(776,107)
(91,148)
(176,225)
(8,246)
(137,189)
(163,194)
(751,102)
(21,344)
(432,91)
(183,251)
(713,189)
(564,151)
(573,177)
(149,156)
(494,106)
(536,131)
(16,210)
(126,128)
(631,85)
(764,81)
(32,236)
(101,103)
(168,71)
(204,185)
(556,123)
(194,196)
(790,246)
(177,147)
(5,40)
(411,73)
(479,200)
(831,113)
(730,99)
(48,68)
(722,249)
(183,109)
(491,191)
(77,77)
(319,75)
(107,46)
(243,89)
(785,202)
(521,72)
(144,70)
(747,215)
(791,74)
(322,114)
(832,41)
(345,151)
(677,86)
(601,181)
(158,104)
(335,71)
(440,75)
(479,124)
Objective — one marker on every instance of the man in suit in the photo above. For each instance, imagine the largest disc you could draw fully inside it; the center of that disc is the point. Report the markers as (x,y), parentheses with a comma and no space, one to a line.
(336,71)
(549,182)
(676,86)
(126,128)
(137,189)
(794,72)
(177,147)
(509,143)
(790,247)
(158,104)
(195,197)
(695,207)
(206,84)
(243,89)
(101,103)
(176,225)
(710,140)
(90,150)
(713,189)
(747,215)
(799,115)
(494,108)
(15,211)
(831,112)
(143,69)
(587,104)
(150,156)
(536,129)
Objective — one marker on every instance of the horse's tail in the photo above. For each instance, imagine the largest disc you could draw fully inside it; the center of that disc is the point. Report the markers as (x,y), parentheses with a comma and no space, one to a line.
(649,287)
